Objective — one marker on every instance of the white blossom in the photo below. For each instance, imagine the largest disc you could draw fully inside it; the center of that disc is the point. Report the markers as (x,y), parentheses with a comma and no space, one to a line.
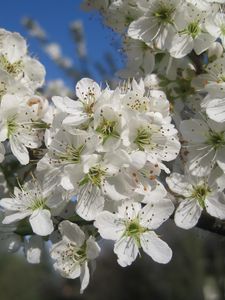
(197,194)
(32,200)
(73,253)
(132,228)
(206,145)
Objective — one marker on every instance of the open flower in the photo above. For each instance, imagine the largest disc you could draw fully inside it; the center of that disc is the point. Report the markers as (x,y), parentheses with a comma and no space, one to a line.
(132,227)
(191,33)
(73,253)
(206,145)
(32,200)
(17,64)
(156,25)
(93,182)
(216,26)
(80,111)
(197,194)
(20,125)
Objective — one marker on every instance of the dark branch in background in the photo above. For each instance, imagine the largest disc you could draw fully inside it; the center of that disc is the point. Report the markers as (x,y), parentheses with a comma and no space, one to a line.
(24,227)
(212,224)
(209,223)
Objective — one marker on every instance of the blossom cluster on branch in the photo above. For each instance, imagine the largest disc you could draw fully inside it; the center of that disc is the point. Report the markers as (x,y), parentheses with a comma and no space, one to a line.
(116,163)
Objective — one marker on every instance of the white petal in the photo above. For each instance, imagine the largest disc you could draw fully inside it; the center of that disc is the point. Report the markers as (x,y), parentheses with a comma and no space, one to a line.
(89,202)
(144,28)
(194,130)
(216,110)
(109,225)
(9,204)
(55,201)
(203,42)
(84,277)
(34,73)
(14,46)
(66,270)
(179,185)
(86,86)
(155,247)
(70,123)
(170,150)
(126,250)
(154,194)
(57,248)
(201,160)
(110,190)
(138,159)
(215,205)
(19,150)
(67,105)
(187,214)
(14,217)
(182,45)
(75,272)
(41,222)
(129,210)
(93,249)
(155,213)
(72,232)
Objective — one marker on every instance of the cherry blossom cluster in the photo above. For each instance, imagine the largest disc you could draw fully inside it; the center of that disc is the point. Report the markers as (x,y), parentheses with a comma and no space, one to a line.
(22,110)
(102,156)
(99,167)
(177,46)
(151,28)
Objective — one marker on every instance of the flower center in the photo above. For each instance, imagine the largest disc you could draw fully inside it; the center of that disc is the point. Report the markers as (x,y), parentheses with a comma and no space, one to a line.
(199,193)
(107,128)
(75,255)
(94,176)
(38,203)
(13,69)
(143,138)
(216,139)
(79,254)
(72,155)
(88,108)
(193,29)
(164,13)
(134,230)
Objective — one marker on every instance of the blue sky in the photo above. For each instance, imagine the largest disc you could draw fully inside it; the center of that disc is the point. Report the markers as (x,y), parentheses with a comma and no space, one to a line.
(54,17)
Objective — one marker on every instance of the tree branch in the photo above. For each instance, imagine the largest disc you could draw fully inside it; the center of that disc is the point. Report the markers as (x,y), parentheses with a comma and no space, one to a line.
(209,223)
